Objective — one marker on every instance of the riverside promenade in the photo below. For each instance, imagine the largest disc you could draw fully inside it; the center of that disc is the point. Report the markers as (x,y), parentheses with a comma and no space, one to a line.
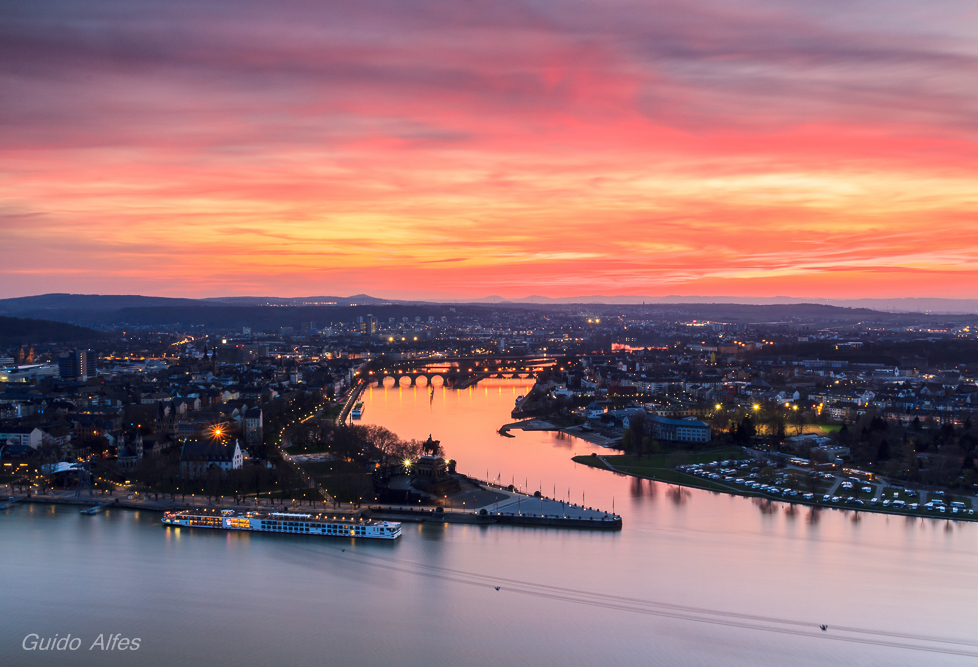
(160,503)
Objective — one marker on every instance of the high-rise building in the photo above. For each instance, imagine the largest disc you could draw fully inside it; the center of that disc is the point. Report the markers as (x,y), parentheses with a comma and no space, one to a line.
(78,364)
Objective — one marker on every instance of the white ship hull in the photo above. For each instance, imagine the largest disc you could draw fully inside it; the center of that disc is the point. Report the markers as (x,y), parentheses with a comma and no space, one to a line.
(284,522)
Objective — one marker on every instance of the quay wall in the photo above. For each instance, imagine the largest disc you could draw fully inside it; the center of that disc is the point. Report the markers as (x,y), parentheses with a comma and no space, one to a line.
(428,515)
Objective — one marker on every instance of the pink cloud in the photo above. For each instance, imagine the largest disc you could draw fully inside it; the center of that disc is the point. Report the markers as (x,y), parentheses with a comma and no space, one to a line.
(635,148)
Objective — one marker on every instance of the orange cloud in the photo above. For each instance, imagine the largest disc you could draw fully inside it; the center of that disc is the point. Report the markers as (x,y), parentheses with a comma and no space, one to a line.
(666,148)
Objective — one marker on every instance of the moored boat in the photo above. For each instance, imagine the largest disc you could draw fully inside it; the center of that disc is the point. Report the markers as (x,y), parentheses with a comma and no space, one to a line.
(335,525)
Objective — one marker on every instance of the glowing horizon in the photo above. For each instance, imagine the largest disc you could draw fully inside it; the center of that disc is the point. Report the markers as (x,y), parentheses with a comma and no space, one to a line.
(745,148)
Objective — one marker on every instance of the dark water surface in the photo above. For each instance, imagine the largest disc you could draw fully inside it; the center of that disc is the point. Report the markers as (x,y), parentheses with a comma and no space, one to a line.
(695,578)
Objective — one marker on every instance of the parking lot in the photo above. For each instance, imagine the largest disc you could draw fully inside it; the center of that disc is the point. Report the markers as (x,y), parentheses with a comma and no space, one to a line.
(797,484)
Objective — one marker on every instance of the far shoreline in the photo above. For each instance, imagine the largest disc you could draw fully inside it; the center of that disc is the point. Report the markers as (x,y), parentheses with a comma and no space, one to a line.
(691,481)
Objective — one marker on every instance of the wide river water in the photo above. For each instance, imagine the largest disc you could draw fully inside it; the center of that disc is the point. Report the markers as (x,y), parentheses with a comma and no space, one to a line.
(694,578)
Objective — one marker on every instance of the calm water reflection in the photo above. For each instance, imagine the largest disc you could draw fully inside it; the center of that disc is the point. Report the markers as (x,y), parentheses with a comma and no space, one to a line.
(197,597)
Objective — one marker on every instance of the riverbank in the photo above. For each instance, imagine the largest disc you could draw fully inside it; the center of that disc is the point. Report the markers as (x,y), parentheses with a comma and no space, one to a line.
(673,476)
(153,505)
(497,505)
(350,401)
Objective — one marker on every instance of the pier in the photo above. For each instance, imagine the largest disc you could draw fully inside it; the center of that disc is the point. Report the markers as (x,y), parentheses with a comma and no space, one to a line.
(505,506)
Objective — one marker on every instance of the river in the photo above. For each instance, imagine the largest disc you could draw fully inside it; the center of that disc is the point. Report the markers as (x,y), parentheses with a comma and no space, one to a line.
(694,578)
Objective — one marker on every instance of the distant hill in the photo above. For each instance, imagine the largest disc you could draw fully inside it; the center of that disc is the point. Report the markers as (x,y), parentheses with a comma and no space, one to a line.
(38,304)
(355,300)
(270,313)
(896,305)
(19,331)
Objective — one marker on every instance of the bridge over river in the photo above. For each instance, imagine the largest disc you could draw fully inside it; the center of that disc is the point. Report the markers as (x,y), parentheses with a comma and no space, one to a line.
(456,372)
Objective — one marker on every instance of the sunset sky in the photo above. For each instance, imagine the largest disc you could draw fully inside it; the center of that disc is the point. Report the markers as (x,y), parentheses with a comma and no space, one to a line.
(463,149)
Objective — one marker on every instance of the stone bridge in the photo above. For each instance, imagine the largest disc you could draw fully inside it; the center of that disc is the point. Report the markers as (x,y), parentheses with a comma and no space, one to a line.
(453,371)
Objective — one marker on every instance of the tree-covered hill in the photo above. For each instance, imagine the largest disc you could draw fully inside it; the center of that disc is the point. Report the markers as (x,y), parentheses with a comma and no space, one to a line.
(20,331)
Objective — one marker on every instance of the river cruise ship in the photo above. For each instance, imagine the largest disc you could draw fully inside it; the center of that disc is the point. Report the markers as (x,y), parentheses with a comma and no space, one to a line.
(334,525)
(358,410)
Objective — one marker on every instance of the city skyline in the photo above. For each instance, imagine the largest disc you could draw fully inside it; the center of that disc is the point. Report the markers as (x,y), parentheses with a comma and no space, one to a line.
(506,149)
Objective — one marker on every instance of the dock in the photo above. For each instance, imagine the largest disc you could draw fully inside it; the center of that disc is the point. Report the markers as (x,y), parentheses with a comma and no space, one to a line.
(95,509)
(10,501)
